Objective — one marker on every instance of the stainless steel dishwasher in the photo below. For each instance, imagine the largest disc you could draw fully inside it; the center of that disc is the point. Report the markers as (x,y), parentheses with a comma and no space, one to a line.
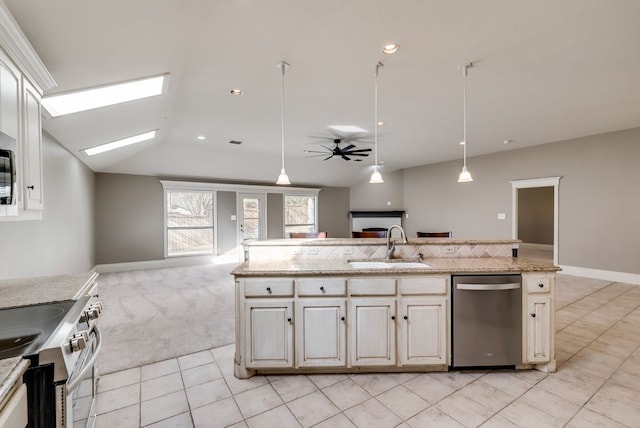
(486,320)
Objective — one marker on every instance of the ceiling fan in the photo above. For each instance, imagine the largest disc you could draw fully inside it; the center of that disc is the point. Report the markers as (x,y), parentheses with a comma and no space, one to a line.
(345,153)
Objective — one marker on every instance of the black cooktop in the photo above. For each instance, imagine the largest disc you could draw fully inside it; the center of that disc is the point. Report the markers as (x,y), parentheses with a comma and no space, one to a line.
(25,329)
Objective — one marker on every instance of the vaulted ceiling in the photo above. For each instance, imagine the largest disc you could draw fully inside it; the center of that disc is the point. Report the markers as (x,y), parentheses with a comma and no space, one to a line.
(544,71)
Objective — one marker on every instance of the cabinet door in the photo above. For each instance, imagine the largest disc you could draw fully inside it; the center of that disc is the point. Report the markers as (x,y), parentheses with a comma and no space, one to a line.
(320,332)
(372,332)
(269,333)
(538,329)
(32,182)
(423,331)
(9,97)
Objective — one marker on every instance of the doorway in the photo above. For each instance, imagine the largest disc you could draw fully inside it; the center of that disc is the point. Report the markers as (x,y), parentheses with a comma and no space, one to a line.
(538,221)
(251,217)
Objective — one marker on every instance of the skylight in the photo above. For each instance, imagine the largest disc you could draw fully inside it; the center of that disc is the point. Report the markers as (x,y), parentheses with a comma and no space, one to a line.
(120,143)
(58,105)
(347,128)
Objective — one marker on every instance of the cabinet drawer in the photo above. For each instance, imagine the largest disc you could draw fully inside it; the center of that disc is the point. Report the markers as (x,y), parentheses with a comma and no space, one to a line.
(423,285)
(538,284)
(268,287)
(322,287)
(372,286)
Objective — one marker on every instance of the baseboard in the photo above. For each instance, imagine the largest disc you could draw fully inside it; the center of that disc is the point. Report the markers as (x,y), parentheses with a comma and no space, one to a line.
(607,275)
(528,246)
(165,263)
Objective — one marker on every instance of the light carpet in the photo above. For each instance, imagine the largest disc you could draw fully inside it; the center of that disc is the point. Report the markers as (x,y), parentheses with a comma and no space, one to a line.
(156,314)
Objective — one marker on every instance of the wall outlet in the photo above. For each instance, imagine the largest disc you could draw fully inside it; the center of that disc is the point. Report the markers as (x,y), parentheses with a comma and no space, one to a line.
(502,216)
(388,203)
(233,217)
(312,251)
(347,251)
(449,250)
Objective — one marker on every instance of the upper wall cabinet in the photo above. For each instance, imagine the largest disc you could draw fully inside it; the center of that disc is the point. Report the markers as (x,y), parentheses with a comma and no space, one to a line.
(23,79)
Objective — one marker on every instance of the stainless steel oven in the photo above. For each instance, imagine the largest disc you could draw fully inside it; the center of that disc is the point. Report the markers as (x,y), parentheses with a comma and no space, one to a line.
(62,340)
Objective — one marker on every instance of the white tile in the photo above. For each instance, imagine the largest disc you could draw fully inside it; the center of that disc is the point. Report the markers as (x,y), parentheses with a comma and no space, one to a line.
(464,410)
(375,383)
(346,394)
(486,395)
(529,417)
(312,408)
(292,387)
(194,360)
(118,379)
(206,393)
(257,400)
(585,418)
(239,385)
(506,383)
(403,402)
(453,379)
(127,417)
(117,398)
(280,417)
(163,407)
(576,389)
(158,386)
(200,374)
(618,403)
(433,417)
(428,388)
(338,421)
(498,421)
(219,414)
(183,420)
(551,404)
(324,380)
(372,414)
(158,369)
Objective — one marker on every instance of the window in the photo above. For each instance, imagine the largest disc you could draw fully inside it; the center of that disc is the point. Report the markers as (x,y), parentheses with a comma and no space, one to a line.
(300,214)
(189,222)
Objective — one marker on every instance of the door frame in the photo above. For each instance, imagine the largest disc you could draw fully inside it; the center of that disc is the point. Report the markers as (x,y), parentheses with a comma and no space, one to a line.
(537,182)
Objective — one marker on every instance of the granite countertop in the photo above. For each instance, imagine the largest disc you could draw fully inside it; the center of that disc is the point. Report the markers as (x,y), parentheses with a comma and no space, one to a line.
(45,289)
(438,265)
(11,371)
(372,241)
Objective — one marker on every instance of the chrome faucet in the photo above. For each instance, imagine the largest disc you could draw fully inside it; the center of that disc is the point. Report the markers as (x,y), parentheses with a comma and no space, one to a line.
(391,245)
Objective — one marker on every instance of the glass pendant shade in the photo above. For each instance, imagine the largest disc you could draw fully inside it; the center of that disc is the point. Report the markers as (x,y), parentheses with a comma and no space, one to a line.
(376,177)
(465,175)
(283,178)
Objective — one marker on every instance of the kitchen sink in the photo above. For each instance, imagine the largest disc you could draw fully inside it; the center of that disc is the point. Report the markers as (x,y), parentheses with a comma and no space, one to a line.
(388,265)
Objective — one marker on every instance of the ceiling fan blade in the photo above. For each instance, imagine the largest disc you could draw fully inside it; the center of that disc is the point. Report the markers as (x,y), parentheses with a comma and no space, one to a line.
(328,148)
(349,147)
(329,157)
(316,151)
(316,156)
(357,154)
(345,158)
(359,150)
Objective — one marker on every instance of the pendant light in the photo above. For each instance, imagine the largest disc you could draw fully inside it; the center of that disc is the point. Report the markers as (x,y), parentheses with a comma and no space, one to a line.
(465,175)
(376,177)
(283,178)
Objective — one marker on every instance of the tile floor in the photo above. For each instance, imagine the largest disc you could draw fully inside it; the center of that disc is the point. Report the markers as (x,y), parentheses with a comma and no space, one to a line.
(597,385)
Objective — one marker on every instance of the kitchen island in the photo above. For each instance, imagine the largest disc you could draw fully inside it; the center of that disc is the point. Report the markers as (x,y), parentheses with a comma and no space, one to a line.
(338,306)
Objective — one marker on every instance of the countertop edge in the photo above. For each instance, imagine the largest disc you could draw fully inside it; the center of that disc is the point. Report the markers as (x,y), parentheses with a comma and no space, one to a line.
(13,378)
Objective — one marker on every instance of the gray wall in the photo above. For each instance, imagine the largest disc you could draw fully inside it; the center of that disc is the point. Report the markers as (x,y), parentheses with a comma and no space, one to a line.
(275,216)
(535,215)
(62,242)
(129,218)
(366,196)
(598,193)
(227,235)
(333,212)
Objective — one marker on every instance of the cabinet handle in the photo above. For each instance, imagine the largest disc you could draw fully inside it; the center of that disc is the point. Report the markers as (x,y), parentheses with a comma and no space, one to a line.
(541,285)
(533,315)
(289,319)
(269,290)
(31,187)
(393,317)
(341,318)
(406,317)
(322,288)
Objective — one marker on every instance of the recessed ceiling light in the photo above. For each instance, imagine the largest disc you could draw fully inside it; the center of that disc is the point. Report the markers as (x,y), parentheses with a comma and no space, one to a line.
(390,48)
(89,99)
(507,141)
(462,143)
(347,128)
(236,92)
(120,143)
(201,137)
(381,123)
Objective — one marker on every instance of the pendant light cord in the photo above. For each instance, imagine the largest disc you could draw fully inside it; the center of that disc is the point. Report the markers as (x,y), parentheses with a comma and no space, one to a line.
(375,113)
(283,68)
(464,112)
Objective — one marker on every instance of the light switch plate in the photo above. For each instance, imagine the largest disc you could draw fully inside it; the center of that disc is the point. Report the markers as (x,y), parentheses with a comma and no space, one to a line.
(502,216)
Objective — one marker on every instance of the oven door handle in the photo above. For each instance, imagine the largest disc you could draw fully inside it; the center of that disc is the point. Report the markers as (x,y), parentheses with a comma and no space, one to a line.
(488,287)
(88,365)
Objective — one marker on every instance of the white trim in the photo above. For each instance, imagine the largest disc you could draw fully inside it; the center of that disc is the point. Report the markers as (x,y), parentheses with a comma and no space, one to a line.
(240,188)
(537,182)
(20,50)
(159,264)
(607,275)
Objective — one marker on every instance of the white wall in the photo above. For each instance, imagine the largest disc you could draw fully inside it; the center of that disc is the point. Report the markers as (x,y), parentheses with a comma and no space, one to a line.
(63,241)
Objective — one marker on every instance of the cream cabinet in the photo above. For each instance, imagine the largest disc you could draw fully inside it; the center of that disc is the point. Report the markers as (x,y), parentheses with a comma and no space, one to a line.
(32,144)
(269,333)
(538,320)
(320,336)
(423,331)
(372,339)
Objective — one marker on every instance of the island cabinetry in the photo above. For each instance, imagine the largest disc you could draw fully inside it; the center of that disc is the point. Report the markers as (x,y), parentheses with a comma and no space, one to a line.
(539,322)
(423,313)
(268,323)
(320,333)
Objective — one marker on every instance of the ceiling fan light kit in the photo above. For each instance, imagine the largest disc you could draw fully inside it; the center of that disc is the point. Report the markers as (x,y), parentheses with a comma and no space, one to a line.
(465,175)
(283,178)
(390,48)
(376,177)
